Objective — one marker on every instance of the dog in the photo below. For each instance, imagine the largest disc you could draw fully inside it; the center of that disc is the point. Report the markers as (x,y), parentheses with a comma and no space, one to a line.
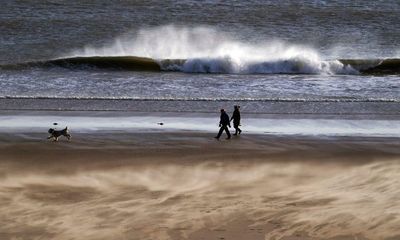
(55,134)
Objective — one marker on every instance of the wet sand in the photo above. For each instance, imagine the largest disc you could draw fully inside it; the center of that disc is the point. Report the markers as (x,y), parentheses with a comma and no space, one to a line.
(187,185)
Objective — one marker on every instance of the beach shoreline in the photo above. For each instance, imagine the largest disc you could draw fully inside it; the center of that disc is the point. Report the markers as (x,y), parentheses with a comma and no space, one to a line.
(285,125)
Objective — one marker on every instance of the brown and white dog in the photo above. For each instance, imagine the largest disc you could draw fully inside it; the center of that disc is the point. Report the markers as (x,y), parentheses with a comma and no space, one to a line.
(55,134)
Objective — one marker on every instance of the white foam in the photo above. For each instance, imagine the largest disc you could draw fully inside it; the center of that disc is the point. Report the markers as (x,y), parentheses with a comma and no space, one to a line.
(297,65)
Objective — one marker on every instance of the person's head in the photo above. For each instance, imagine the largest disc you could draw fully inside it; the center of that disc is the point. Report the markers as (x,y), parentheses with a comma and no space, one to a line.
(236,107)
(222,110)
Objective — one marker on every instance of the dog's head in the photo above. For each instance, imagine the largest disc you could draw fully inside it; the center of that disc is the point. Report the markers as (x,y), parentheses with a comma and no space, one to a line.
(51,130)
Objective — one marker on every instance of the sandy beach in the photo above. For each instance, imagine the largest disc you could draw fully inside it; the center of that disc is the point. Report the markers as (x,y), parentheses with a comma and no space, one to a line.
(187,185)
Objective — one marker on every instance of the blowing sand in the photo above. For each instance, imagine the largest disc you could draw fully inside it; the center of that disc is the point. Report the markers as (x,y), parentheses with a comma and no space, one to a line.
(118,185)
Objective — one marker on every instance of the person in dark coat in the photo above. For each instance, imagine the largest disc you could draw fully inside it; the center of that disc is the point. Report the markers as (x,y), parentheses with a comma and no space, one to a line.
(236,120)
(223,124)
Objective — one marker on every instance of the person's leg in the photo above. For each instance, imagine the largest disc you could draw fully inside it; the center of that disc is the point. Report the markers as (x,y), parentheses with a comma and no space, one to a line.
(236,126)
(221,129)
(227,132)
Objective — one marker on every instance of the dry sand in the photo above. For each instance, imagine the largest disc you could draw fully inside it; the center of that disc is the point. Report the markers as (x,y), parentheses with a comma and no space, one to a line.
(117,185)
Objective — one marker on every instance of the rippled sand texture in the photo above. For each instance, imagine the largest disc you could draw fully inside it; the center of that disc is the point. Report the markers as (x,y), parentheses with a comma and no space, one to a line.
(183,186)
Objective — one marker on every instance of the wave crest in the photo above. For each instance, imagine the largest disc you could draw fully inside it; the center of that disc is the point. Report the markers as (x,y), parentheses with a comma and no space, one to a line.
(223,65)
(279,66)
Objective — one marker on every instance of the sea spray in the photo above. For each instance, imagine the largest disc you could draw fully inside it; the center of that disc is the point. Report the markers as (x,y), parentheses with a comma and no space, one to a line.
(207,50)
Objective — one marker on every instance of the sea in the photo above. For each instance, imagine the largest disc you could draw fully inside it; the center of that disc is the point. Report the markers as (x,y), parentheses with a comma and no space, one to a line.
(339,57)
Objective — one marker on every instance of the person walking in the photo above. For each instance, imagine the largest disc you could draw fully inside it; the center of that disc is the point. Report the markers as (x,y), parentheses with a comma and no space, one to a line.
(223,124)
(236,120)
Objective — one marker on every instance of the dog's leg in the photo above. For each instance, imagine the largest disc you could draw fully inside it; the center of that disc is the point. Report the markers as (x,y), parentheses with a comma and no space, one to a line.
(55,139)
(68,137)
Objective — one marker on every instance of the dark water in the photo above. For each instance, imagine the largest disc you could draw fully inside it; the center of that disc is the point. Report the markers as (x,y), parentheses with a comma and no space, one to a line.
(36,29)
(233,50)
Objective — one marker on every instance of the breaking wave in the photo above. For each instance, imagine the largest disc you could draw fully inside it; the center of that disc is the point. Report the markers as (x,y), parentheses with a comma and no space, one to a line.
(207,50)
(224,65)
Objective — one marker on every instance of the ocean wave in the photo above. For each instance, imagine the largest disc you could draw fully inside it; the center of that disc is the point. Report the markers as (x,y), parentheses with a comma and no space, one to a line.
(222,65)
(298,65)
(389,66)
(207,50)
(117,63)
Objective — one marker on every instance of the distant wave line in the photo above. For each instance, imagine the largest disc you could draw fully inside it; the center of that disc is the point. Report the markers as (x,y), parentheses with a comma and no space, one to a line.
(344,100)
